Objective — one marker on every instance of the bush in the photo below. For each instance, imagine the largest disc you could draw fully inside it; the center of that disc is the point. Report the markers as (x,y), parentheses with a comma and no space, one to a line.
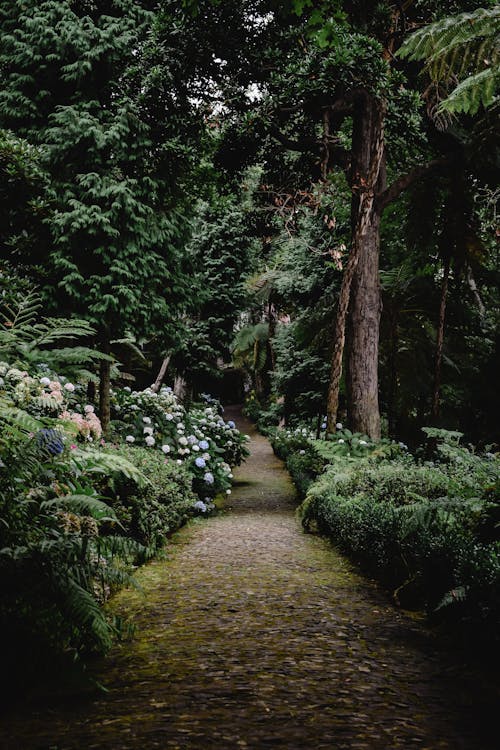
(417,527)
(150,513)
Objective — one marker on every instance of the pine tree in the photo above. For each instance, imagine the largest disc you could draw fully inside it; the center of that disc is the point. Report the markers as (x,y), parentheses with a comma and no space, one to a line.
(78,85)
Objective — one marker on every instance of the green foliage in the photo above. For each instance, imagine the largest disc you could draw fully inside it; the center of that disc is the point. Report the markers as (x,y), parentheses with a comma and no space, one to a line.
(151,511)
(419,528)
(23,205)
(83,97)
(458,47)
(24,337)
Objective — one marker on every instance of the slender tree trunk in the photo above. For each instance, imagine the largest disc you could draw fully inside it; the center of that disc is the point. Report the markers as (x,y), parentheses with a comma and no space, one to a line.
(439,343)
(163,369)
(332,405)
(393,382)
(180,387)
(271,315)
(475,291)
(360,284)
(105,390)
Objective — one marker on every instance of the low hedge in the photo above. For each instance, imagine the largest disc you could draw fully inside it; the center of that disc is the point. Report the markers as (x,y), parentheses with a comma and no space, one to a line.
(150,513)
(400,521)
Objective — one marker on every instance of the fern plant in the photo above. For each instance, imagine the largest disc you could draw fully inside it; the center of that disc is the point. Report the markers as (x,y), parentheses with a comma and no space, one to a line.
(250,346)
(463,51)
(26,338)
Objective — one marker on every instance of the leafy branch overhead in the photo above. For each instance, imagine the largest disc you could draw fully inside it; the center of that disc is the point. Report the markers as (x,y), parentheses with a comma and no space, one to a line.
(462,53)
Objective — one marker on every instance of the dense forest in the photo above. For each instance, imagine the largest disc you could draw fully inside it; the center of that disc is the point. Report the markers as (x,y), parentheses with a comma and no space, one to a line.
(291,205)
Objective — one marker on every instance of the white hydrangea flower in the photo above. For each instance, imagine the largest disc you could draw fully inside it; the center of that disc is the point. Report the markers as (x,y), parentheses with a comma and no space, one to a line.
(45,381)
(195,448)
(165,448)
(146,420)
(130,439)
(69,387)
(148,430)
(150,441)
(339,426)
(183,440)
(341,440)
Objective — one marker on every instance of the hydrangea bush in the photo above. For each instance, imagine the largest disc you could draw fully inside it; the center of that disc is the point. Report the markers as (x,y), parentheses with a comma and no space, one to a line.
(45,395)
(198,439)
(77,514)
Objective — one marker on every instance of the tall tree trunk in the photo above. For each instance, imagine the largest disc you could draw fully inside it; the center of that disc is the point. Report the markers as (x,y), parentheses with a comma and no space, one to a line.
(332,405)
(393,381)
(105,390)
(362,361)
(360,284)
(159,378)
(180,387)
(438,361)
(271,316)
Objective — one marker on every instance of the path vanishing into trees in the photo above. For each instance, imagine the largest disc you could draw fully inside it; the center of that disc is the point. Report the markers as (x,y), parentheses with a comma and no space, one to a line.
(252,634)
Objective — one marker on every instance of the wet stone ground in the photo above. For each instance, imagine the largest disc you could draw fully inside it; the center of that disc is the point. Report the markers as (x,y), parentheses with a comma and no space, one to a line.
(254,635)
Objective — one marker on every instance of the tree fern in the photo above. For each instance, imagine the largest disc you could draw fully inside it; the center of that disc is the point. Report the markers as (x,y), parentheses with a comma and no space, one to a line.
(465,47)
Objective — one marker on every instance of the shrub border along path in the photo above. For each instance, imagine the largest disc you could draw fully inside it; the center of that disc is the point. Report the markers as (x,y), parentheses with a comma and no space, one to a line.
(252,634)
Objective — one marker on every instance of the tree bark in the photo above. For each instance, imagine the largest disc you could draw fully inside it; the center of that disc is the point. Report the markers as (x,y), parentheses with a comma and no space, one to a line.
(360,284)
(271,316)
(362,359)
(475,291)
(105,391)
(180,387)
(436,396)
(332,406)
(163,369)
(393,381)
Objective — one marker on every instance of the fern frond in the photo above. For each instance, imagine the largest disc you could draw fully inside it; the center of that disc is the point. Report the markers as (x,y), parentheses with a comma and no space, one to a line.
(465,45)
(83,505)
(81,608)
(16,422)
(132,347)
(455,596)
(102,462)
(470,94)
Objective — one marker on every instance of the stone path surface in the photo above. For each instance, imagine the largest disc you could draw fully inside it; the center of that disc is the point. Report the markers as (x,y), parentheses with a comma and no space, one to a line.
(254,635)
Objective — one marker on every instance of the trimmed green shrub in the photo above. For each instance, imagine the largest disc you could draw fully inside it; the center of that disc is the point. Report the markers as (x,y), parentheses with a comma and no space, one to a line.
(150,513)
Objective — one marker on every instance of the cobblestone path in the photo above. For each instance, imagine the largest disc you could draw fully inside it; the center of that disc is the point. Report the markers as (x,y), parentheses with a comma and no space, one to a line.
(254,635)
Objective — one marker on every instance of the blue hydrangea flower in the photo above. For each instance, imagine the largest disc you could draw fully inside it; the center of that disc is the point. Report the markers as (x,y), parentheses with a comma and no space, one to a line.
(209,477)
(231,424)
(51,440)
(203,445)
(200,505)
(200,462)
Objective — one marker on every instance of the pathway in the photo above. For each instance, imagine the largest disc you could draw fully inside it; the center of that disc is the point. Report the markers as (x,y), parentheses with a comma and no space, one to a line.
(255,635)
